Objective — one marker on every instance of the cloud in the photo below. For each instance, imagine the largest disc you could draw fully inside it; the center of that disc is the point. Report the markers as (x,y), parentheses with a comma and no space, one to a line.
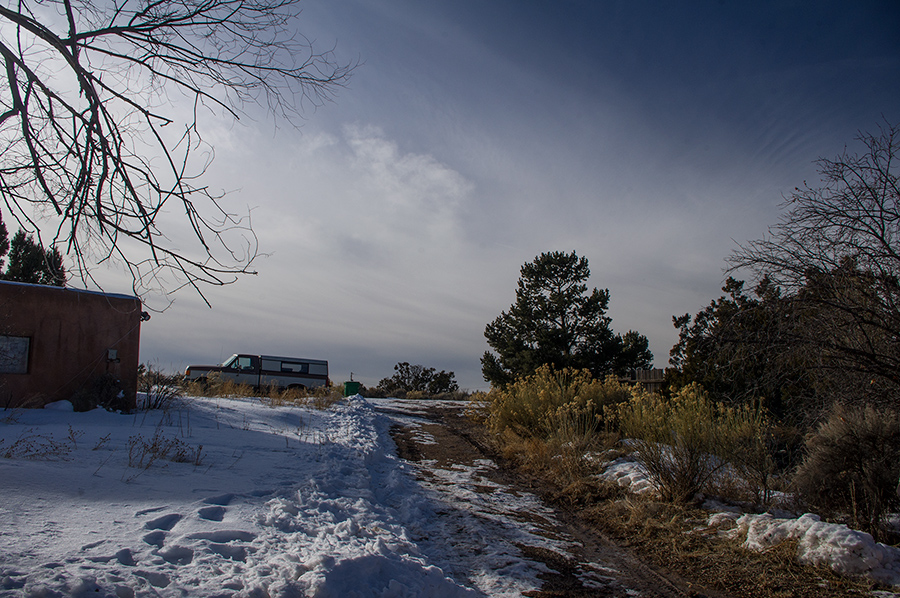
(366,249)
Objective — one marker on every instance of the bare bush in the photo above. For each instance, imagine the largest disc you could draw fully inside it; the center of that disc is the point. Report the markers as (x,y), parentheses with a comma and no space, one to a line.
(103,391)
(143,452)
(852,465)
(160,390)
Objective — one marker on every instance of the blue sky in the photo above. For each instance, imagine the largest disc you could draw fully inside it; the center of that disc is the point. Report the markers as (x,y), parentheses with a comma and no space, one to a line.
(649,137)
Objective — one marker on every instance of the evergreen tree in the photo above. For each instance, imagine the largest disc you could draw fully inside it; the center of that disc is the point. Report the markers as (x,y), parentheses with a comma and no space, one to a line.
(4,242)
(556,321)
(29,262)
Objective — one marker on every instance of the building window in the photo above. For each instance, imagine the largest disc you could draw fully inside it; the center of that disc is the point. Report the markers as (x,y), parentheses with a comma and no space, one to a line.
(14,354)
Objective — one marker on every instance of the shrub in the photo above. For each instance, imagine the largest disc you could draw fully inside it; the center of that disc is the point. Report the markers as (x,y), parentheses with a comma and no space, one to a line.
(551,402)
(160,390)
(852,465)
(550,421)
(684,441)
(748,441)
(103,391)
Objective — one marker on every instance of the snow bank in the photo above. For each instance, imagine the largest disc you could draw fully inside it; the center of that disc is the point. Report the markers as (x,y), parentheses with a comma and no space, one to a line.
(844,550)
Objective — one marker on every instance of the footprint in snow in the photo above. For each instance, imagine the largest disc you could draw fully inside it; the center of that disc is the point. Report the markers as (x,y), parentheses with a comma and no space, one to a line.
(155,539)
(230,551)
(166,522)
(125,557)
(223,536)
(211,513)
(159,580)
(226,543)
(177,555)
(222,500)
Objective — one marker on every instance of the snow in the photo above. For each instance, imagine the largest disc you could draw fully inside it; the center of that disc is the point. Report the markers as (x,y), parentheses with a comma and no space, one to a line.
(262,501)
(844,550)
(254,500)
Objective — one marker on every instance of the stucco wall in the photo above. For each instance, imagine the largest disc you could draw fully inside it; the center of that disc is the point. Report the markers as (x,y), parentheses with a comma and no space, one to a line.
(71,333)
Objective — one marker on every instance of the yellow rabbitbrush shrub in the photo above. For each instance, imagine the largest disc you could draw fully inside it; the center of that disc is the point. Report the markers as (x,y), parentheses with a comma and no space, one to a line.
(552,420)
(551,402)
(684,441)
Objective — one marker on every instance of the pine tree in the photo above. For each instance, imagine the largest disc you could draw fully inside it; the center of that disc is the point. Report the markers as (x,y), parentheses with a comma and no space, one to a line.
(4,242)
(29,262)
(556,321)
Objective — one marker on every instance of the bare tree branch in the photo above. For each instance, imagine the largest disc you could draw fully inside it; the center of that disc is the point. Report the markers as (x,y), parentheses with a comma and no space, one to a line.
(85,145)
(836,251)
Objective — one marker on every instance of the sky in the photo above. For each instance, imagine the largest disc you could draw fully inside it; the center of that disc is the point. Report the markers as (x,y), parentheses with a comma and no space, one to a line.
(649,137)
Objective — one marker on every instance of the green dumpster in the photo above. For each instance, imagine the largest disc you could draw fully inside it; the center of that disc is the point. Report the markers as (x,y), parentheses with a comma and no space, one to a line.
(351,388)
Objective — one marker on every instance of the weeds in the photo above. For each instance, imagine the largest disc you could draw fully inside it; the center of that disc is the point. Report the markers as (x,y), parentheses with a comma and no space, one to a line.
(38,447)
(324,397)
(216,386)
(73,436)
(272,395)
(142,452)
(12,416)
(160,390)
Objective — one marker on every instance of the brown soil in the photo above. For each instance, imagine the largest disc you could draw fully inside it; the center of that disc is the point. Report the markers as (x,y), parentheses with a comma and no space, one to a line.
(652,545)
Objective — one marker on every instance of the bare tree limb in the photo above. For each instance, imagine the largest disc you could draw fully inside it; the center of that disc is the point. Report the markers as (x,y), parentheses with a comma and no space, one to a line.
(84,141)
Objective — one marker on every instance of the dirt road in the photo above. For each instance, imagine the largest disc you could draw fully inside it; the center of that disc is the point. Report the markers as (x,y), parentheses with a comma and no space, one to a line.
(554,547)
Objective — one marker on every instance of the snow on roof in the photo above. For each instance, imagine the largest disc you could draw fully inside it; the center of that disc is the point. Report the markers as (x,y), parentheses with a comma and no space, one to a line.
(70,290)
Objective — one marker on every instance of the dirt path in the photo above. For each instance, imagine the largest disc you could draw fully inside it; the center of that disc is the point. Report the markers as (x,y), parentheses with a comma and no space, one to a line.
(573,559)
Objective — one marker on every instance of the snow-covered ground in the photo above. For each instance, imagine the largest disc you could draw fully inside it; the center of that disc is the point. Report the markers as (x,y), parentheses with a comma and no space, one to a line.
(230,497)
(259,501)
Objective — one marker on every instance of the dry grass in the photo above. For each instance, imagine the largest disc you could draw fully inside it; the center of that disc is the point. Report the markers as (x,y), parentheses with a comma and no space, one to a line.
(673,537)
(676,538)
(319,398)
(144,452)
(39,447)
(216,386)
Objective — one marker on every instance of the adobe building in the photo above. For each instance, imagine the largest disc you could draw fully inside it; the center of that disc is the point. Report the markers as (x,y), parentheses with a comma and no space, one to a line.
(56,343)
